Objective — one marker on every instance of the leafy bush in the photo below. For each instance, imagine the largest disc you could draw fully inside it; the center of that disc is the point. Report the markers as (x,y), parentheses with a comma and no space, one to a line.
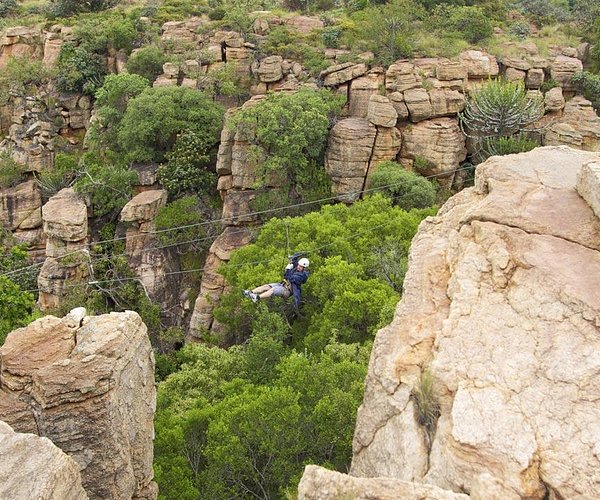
(387,30)
(331,36)
(11,172)
(545,12)
(15,307)
(589,85)
(288,134)
(180,214)
(154,118)
(187,167)
(111,102)
(470,23)
(499,109)
(216,14)
(177,10)
(51,181)
(16,304)
(8,7)
(406,189)
(79,69)
(519,29)
(518,143)
(147,62)
(21,74)
(106,181)
(66,8)
(548,84)
(595,51)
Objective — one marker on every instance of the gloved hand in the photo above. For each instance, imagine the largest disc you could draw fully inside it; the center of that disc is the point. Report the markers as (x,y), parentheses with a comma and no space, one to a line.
(289,266)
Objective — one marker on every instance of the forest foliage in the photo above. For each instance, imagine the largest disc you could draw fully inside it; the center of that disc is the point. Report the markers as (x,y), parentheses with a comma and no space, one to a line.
(243,422)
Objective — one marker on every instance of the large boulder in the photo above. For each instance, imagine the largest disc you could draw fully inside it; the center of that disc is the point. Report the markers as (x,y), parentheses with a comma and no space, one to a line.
(87,384)
(65,216)
(348,154)
(500,307)
(32,467)
(562,71)
(578,126)
(213,283)
(381,111)
(438,141)
(144,206)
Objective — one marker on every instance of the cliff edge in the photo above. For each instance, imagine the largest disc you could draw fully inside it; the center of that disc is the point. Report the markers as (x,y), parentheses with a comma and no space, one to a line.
(501,311)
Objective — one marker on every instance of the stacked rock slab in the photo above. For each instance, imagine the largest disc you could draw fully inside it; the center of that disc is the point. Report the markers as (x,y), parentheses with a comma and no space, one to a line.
(32,467)
(87,384)
(151,263)
(501,305)
(67,259)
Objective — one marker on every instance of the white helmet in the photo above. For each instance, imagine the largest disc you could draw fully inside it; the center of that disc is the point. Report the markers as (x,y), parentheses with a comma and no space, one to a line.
(304,262)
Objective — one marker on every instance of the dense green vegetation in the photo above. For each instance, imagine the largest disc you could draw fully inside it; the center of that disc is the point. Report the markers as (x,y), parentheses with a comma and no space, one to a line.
(244,422)
(16,303)
(288,135)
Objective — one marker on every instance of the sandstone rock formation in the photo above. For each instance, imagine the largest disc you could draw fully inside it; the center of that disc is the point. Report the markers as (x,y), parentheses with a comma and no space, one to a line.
(148,256)
(501,306)
(578,126)
(87,384)
(32,467)
(67,258)
(321,484)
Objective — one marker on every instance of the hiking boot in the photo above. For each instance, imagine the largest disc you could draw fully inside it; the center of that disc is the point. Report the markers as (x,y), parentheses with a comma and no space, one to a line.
(254,297)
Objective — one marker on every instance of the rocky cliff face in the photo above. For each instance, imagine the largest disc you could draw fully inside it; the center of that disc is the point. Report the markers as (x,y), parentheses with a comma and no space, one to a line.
(501,306)
(32,467)
(87,384)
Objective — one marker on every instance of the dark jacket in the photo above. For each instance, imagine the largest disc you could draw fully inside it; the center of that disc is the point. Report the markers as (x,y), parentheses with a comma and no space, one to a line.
(295,278)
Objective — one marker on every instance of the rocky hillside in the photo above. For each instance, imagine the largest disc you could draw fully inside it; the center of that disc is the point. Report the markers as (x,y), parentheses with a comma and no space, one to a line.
(500,311)
(406,111)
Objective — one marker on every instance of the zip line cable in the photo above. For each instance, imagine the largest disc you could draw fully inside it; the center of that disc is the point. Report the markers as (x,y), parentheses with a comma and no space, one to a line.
(348,193)
(253,263)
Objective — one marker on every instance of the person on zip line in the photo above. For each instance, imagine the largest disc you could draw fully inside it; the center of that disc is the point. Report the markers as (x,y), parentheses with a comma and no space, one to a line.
(294,277)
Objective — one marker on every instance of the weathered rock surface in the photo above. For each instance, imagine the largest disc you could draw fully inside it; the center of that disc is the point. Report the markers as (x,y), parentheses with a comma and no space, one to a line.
(348,155)
(438,141)
(381,111)
(578,126)
(32,467)
(88,386)
(21,207)
(588,185)
(65,216)
(563,69)
(144,206)
(213,283)
(554,99)
(501,304)
(321,484)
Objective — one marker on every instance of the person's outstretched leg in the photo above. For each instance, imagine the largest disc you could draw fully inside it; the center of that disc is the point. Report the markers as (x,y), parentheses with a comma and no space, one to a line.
(261,289)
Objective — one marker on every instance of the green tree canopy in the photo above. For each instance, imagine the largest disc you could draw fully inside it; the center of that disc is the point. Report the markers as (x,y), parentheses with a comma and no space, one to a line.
(288,134)
(344,297)
(154,118)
